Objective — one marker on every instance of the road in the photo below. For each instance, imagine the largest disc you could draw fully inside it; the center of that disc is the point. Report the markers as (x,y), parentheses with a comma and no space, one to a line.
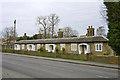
(23,67)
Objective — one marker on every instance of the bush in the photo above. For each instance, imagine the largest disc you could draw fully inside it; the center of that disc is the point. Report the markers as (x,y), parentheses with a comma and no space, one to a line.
(105,53)
(42,49)
(63,50)
(56,49)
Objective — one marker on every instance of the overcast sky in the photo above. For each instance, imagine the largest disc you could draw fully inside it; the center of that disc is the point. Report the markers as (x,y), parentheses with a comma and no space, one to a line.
(76,14)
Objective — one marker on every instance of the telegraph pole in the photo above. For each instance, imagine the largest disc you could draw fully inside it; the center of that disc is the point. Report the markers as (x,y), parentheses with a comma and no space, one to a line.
(14,34)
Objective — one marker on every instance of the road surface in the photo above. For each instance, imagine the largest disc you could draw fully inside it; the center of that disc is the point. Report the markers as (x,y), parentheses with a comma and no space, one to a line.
(23,67)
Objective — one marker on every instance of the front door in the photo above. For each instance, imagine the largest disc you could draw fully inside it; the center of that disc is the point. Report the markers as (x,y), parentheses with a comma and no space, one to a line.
(51,48)
(82,49)
(82,52)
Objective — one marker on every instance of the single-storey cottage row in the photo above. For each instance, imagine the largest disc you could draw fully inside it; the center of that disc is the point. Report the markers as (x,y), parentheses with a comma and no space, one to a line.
(74,45)
(77,45)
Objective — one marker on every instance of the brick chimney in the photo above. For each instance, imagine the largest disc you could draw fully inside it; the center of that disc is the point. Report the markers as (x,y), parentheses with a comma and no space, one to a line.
(39,35)
(90,31)
(60,33)
(25,36)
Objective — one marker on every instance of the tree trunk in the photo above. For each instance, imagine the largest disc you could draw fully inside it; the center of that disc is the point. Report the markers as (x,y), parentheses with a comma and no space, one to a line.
(52,30)
(45,34)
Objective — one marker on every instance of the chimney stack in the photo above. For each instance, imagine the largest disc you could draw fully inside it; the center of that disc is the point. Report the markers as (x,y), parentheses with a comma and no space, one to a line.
(25,36)
(39,35)
(60,33)
(91,26)
(90,31)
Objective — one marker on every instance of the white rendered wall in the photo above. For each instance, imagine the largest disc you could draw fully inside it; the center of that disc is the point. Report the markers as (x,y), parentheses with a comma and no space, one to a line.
(87,50)
(47,47)
(17,47)
(33,47)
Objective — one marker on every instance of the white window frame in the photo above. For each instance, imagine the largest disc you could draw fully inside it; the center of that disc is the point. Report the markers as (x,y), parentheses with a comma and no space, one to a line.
(38,46)
(75,47)
(98,47)
(62,46)
(23,46)
(47,46)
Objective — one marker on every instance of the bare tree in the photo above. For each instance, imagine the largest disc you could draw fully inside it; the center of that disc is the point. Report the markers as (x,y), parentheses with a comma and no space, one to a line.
(49,32)
(74,33)
(43,20)
(103,13)
(53,20)
(69,32)
(100,31)
(8,34)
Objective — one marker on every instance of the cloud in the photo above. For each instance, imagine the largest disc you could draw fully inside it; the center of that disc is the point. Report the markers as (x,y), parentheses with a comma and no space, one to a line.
(78,15)
(39,1)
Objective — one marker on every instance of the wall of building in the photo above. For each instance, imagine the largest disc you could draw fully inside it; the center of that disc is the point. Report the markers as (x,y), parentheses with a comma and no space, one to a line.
(68,47)
(108,49)
(105,48)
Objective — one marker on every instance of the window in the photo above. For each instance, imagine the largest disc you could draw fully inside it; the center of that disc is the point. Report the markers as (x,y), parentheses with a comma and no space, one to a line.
(38,46)
(62,46)
(47,46)
(73,47)
(98,47)
(22,46)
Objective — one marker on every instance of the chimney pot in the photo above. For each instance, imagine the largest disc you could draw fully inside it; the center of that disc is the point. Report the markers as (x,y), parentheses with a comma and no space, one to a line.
(60,30)
(89,26)
(25,34)
(60,33)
